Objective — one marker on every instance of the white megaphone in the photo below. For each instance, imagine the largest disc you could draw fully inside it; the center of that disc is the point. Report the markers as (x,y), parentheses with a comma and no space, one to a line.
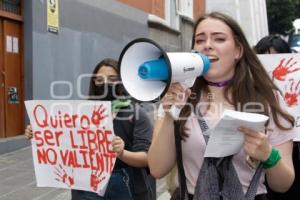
(147,71)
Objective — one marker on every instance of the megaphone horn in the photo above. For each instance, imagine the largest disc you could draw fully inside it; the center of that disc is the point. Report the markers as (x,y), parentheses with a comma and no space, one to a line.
(147,71)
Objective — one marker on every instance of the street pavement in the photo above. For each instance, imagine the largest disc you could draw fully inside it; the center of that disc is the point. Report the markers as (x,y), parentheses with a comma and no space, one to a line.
(17,180)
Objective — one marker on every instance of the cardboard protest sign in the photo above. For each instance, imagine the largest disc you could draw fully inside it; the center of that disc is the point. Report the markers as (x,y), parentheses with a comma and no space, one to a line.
(284,70)
(71,144)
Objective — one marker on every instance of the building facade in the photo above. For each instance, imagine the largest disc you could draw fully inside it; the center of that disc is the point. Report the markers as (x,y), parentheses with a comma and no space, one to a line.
(250,14)
(48,47)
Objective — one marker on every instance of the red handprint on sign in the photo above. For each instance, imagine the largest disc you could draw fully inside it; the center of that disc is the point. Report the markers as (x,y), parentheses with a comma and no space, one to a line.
(63,176)
(291,96)
(282,70)
(96,178)
(98,115)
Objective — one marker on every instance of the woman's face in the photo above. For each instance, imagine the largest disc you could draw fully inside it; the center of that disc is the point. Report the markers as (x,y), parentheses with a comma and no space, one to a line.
(106,74)
(272,50)
(107,83)
(215,39)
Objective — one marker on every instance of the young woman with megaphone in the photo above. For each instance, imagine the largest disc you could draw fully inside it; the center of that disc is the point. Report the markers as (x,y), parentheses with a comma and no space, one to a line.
(236,80)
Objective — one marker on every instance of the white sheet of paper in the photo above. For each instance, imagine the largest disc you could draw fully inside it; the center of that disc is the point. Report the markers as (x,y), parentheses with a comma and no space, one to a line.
(225,139)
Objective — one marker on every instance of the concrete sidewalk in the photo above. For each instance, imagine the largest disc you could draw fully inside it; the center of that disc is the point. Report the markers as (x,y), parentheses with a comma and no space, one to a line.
(17,180)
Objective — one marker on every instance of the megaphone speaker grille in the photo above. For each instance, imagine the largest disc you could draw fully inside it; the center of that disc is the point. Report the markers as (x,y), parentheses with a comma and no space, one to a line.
(134,55)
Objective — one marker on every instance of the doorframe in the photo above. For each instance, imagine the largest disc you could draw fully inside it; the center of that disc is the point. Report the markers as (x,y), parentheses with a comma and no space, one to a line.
(22,65)
(2,89)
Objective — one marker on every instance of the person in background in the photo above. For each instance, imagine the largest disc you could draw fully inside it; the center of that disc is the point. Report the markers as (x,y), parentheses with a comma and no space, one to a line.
(269,45)
(272,44)
(236,80)
(133,130)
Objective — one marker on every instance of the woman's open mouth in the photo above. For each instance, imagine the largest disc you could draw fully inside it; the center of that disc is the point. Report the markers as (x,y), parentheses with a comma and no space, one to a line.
(213,59)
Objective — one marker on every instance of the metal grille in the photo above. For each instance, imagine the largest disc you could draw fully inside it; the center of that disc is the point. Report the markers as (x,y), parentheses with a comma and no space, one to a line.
(12,6)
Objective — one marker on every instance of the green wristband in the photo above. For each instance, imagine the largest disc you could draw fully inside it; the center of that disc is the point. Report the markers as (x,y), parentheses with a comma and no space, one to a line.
(272,160)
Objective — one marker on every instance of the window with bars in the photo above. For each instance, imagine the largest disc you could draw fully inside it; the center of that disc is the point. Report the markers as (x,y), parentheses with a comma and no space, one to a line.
(12,6)
(185,7)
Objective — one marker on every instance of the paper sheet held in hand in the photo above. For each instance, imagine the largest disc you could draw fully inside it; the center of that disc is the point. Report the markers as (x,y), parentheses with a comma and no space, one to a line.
(225,139)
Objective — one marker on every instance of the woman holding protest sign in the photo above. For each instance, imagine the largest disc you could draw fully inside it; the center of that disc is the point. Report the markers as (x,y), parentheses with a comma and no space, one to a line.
(133,130)
(273,44)
(236,80)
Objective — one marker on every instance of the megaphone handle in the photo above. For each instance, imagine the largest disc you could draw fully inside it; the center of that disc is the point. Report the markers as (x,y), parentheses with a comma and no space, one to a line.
(174,112)
(187,83)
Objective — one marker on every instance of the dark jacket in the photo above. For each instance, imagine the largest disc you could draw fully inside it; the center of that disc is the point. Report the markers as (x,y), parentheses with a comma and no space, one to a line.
(134,127)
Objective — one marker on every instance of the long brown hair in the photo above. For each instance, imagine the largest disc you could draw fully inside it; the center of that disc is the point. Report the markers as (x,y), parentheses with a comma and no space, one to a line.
(105,62)
(250,83)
